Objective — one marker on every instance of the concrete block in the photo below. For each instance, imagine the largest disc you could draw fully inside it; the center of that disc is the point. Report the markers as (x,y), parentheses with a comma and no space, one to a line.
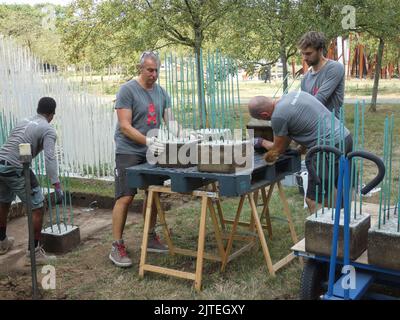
(384,245)
(178,155)
(227,157)
(61,240)
(319,233)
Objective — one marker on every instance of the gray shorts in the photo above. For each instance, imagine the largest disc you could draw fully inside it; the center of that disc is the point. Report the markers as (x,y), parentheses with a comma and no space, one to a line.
(12,183)
(123,161)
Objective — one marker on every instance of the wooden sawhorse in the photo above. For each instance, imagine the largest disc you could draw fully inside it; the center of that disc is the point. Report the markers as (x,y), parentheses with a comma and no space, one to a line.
(153,196)
(255,221)
(225,255)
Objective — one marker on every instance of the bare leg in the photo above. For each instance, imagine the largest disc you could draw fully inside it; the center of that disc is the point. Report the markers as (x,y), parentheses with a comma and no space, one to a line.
(37,220)
(119,215)
(153,217)
(311,205)
(4,209)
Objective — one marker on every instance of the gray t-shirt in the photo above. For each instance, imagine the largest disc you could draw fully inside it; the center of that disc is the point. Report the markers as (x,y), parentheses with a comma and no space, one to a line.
(147,107)
(327,85)
(297,114)
(41,136)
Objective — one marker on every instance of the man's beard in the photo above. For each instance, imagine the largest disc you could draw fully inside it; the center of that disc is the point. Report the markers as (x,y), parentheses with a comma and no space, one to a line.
(314,63)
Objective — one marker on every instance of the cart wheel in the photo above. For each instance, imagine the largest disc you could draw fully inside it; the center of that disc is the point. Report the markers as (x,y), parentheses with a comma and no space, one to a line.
(312,279)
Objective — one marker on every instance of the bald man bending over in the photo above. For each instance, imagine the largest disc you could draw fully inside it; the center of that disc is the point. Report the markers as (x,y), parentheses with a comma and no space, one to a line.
(295,117)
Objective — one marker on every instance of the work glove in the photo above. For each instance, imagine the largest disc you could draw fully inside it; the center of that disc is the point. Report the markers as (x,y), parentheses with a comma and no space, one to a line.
(58,193)
(271,157)
(195,135)
(257,142)
(155,146)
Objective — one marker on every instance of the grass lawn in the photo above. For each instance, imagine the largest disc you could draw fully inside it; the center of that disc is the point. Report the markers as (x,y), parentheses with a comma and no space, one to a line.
(86,273)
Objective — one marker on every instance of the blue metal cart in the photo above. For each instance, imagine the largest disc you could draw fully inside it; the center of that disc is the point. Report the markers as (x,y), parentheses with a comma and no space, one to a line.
(324,276)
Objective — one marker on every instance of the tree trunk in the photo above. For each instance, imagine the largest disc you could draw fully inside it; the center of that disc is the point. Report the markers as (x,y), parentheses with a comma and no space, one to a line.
(377,75)
(284,68)
(200,81)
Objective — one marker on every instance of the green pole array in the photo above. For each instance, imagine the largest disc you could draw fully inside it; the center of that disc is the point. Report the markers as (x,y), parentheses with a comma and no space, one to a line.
(238,100)
(217,105)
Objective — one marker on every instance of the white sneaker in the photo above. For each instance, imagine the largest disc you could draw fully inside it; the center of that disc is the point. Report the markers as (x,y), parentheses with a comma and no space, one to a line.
(6,245)
(41,257)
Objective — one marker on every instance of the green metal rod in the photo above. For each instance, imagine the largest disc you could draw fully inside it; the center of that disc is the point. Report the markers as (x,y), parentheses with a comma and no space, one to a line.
(71,208)
(213,111)
(362,148)
(353,163)
(390,164)
(383,183)
(331,164)
(203,106)
(64,203)
(396,210)
(182,89)
(324,129)
(193,90)
(318,156)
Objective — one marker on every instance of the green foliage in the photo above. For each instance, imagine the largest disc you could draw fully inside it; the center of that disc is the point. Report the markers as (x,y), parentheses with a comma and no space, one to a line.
(116,31)
(26,24)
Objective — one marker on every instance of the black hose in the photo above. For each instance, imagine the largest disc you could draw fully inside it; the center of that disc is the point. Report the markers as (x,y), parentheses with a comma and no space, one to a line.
(379,163)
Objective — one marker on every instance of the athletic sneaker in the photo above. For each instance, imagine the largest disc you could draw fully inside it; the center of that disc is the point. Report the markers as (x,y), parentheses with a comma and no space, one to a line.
(118,254)
(155,245)
(40,256)
(6,245)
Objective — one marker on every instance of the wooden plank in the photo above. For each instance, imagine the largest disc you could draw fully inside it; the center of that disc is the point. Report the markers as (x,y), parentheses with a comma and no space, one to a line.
(233,232)
(265,211)
(197,193)
(161,189)
(240,238)
(363,259)
(207,194)
(243,224)
(238,252)
(192,253)
(219,207)
(283,262)
(261,235)
(146,228)
(300,246)
(200,246)
(169,272)
(161,215)
(217,231)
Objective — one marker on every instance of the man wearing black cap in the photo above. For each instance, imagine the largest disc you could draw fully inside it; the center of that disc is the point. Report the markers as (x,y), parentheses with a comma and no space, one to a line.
(38,132)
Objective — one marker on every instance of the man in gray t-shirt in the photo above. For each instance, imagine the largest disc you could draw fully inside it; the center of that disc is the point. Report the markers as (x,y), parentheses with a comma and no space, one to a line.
(325,78)
(38,132)
(141,106)
(148,109)
(295,117)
